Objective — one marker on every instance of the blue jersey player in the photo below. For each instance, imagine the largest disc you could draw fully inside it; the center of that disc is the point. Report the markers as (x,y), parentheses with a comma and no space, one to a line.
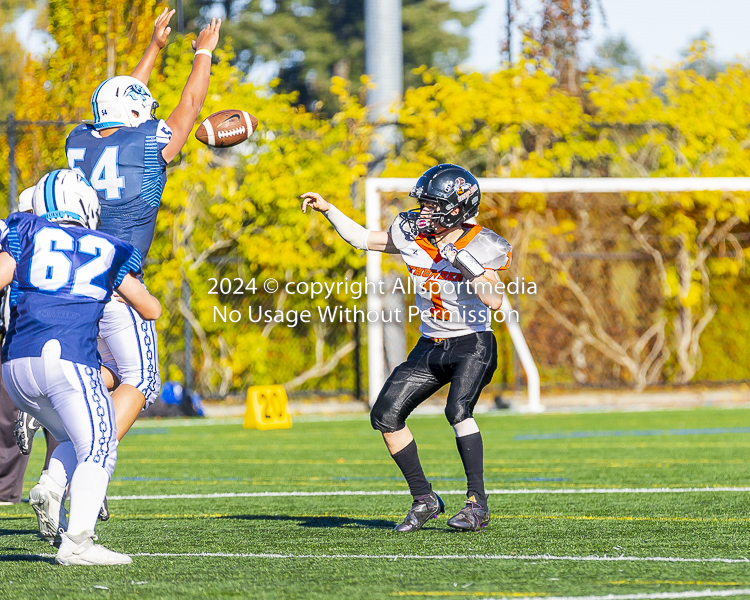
(124,154)
(62,274)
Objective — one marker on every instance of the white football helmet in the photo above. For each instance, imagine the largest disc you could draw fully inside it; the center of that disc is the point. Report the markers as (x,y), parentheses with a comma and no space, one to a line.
(64,196)
(122,101)
(25,200)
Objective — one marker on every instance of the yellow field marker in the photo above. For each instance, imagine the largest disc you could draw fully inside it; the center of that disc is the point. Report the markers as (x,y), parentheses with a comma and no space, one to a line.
(266,408)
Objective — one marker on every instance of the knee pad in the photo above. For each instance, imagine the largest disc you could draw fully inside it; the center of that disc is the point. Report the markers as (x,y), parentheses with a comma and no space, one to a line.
(456,412)
(108,461)
(384,418)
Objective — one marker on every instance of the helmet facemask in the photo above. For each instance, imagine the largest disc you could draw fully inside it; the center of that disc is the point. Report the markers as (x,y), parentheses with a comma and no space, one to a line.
(451,196)
(431,216)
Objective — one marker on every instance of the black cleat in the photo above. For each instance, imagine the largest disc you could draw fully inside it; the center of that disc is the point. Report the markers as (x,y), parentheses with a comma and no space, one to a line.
(423,508)
(26,427)
(104,511)
(472,517)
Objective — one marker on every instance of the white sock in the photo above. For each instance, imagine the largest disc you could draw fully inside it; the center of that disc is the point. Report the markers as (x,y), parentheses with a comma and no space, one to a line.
(62,464)
(87,490)
(466,427)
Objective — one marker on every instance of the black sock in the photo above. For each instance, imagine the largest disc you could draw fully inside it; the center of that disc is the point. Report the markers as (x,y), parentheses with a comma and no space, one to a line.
(407,460)
(472,455)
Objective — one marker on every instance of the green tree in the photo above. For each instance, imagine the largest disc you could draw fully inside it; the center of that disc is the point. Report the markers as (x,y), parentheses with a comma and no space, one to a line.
(226,213)
(557,30)
(315,40)
(617,55)
(11,53)
(699,55)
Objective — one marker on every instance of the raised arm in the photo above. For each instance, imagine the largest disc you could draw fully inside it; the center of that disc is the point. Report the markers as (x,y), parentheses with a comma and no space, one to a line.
(158,40)
(183,118)
(136,295)
(351,232)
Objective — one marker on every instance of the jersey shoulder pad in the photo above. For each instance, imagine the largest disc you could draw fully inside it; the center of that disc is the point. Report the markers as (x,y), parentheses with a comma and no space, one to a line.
(20,228)
(404,230)
(78,130)
(25,221)
(163,132)
(155,128)
(491,250)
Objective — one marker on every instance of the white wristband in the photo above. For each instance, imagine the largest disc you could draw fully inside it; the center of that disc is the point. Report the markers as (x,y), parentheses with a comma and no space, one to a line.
(205,51)
(463,260)
(350,232)
(469,266)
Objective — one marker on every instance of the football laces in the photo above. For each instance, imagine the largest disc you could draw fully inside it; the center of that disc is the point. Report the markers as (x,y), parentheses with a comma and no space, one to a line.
(230,132)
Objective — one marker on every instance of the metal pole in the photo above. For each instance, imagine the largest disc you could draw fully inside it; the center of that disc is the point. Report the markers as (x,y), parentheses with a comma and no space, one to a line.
(384,64)
(180,17)
(375,348)
(357,361)
(187,332)
(524,354)
(509,21)
(12,177)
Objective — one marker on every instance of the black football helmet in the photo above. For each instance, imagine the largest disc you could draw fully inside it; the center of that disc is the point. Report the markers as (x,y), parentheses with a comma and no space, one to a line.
(451,187)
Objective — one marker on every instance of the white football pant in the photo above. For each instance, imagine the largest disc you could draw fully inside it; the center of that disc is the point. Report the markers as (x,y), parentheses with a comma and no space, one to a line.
(70,400)
(128,347)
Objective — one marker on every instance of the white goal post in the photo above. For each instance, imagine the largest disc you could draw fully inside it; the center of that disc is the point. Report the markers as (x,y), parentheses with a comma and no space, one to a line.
(374,186)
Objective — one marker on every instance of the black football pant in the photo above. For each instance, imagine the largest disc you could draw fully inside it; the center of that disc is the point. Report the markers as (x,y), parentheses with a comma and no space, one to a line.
(467,363)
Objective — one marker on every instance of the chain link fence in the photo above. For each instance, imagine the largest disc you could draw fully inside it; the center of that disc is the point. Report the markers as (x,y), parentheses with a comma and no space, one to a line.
(312,359)
(603,313)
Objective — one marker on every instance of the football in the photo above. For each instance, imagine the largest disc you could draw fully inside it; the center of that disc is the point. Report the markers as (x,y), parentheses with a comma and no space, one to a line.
(226,128)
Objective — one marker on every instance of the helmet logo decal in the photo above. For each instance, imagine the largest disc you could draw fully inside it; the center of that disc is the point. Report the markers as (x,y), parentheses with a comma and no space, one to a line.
(463,195)
(136,92)
(418,191)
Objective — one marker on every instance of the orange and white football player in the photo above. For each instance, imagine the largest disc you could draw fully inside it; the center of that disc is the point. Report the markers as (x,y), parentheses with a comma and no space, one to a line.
(454,267)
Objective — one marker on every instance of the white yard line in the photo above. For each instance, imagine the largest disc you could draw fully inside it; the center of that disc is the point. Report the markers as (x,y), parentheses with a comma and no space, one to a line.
(186,422)
(394,557)
(443,492)
(656,596)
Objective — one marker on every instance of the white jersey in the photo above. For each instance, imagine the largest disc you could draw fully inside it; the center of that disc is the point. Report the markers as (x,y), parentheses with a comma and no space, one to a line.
(447,304)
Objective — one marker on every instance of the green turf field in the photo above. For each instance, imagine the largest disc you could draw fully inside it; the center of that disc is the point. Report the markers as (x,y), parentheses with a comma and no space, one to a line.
(620,541)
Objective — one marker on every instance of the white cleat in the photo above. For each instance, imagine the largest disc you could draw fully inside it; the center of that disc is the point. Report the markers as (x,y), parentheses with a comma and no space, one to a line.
(48,501)
(81,550)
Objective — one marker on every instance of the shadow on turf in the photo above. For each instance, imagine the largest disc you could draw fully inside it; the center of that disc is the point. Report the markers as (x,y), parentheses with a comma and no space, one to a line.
(25,557)
(326,522)
(17,531)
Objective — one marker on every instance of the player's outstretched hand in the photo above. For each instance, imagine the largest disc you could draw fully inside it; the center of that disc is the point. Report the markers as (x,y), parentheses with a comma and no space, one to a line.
(162,28)
(315,201)
(209,36)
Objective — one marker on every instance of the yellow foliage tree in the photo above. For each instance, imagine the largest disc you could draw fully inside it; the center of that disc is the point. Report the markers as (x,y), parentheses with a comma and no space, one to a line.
(94,41)
(520,123)
(225,213)
(234,214)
